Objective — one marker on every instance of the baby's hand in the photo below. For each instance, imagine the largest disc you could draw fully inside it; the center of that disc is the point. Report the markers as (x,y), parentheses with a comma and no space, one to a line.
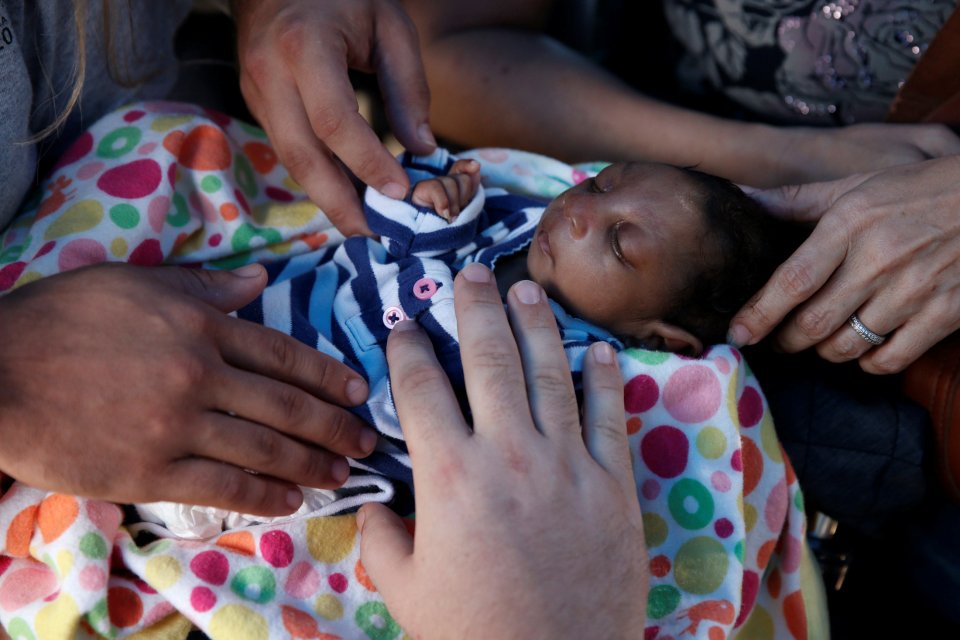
(449,194)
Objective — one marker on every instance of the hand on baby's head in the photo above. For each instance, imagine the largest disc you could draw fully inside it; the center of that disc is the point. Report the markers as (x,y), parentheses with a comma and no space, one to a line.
(449,194)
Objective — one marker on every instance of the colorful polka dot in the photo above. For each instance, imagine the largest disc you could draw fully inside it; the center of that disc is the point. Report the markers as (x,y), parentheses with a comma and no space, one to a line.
(640,394)
(202,599)
(256,584)
(664,450)
(238,622)
(692,393)
(119,142)
(330,539)
(750,407)
(276,547)
(337,582)
(163,571)
(125,607)
(374,619)
(700,565)
(662,600)
(329,607)
(133,180)
(210,566)
(691,504)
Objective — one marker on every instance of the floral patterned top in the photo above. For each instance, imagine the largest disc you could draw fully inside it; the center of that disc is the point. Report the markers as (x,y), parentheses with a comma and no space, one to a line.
(806,61)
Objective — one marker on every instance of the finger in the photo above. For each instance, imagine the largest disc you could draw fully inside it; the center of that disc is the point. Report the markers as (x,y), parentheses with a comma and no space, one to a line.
(273,354)
(334,116)
(402,80)
(386,550)
(426,405)
(938,141)
(214,484)
(844,345)
(452,190)
(430,193)
(252,446)
(491,362)
(795,281)
(466,188)
(224,290)
(604,425)
(466,166)
(309,162)
(914,338)
(808,202)
(546,370)
(292,411)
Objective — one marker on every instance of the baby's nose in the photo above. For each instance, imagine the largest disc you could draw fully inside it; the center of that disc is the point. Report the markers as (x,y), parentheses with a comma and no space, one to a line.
(582,216)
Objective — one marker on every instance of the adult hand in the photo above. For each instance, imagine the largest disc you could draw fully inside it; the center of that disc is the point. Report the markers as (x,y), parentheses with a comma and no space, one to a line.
(294,56)
(817,154)
(133,385)
(886,247)
(528,524)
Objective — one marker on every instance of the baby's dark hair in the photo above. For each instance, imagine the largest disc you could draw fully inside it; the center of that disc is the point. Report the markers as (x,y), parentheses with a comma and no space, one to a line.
(743,246)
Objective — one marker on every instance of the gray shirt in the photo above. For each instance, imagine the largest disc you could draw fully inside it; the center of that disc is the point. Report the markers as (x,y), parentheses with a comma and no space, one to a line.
(38,53)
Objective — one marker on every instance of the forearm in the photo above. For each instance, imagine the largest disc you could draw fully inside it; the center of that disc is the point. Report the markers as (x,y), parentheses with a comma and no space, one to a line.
(509,87)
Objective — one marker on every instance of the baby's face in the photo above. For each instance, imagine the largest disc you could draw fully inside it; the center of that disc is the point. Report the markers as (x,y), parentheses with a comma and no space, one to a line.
(615,249)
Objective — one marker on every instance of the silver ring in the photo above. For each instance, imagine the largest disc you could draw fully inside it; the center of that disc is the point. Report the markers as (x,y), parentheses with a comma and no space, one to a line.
(865,333)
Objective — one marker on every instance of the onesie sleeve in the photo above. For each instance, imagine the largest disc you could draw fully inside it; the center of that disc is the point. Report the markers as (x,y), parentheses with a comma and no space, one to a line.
(406,229)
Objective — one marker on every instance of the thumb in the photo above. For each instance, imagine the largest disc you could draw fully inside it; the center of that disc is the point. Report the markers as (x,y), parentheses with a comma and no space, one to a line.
(386,549)
(224,290)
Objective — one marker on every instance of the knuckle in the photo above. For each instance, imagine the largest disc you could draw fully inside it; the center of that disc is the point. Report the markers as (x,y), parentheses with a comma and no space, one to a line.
(292,34)
(814,323)
(283,353)
(269,448)
(419,378)
(234,489)
(882,363)
(298,159)
(843,349)
(327,121)
(256,63)
(184,371)
(292,405)
(336,429)
(797,280)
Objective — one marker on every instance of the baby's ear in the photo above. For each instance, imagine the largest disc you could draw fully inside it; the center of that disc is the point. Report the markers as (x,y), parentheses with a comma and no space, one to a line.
(663,336)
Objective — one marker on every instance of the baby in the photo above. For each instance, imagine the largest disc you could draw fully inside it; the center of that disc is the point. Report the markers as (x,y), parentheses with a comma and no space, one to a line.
(658,255)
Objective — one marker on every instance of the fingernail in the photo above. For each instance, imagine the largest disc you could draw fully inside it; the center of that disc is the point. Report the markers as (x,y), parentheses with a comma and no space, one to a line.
(340,470)
(425,135)
(602,353)
(527,292)
(394,190)
(361,516)
(248,271)
(738,335)
(294,498)
(356,391)
(475,272)
(368,440)
(406,325)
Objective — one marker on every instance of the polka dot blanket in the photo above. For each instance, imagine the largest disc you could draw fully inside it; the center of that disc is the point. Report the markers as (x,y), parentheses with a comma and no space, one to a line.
(169,183)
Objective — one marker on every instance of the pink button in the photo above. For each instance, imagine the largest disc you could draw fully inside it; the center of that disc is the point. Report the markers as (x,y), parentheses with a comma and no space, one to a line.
(424,288)
(392,316)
